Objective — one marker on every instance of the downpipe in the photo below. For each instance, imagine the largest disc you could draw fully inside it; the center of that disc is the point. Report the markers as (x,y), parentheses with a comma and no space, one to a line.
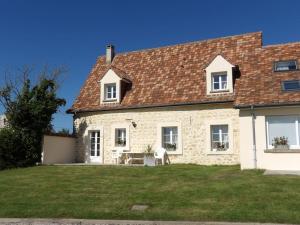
(254,137)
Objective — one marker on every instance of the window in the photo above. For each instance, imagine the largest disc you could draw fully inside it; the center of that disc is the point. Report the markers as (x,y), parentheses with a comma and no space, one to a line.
(283,126)
(120,137)
(95,143)
(170,138)
(219,81)
(285,65)
(110,91)
(291,85)
(219,138)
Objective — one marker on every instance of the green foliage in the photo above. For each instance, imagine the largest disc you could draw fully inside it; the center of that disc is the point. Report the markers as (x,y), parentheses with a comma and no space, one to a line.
(64,131)
(12,151)
(29,112)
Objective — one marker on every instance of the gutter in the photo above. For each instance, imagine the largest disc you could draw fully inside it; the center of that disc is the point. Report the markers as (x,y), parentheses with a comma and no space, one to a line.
(254,137)
(70,111)
(266,105)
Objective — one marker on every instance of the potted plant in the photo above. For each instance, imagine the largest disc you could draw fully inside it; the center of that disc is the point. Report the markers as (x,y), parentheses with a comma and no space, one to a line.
(280,143)
(121,143)
(149,159)
(170,147)
(219,146)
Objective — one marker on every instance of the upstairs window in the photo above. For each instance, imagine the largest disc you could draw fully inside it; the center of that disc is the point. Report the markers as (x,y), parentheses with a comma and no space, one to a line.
(291,85)
(219,81)
(110,92)
(289,65)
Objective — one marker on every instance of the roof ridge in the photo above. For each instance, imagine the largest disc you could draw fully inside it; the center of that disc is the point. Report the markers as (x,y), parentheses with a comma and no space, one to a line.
(281,44)
(186,43)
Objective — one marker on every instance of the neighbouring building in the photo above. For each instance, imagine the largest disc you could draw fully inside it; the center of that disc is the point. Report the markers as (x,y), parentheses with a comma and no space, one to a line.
(3,122)
(222,101)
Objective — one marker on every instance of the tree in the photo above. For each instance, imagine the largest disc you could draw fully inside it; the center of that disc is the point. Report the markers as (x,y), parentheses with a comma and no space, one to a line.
(29,109)
(64,131)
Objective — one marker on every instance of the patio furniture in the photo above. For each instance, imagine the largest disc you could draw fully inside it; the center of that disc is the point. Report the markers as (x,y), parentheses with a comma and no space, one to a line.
(135,157)
(160,154)
(117,154)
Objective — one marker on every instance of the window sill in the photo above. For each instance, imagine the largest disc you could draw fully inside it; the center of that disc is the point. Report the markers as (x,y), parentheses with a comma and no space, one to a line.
(228,152)
(109,100)
(282,150)
(174,153)
(219,91)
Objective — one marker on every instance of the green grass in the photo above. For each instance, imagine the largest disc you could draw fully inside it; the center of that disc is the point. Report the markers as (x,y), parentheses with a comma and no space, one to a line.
(176,192)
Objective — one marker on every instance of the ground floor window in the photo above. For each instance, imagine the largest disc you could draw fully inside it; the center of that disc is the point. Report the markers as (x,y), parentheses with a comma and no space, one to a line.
(95,143)
(219,138)
(170,138)
(283,131)
(120,137)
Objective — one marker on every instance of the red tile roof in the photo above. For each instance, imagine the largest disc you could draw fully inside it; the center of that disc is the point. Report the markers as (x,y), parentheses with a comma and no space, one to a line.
(175,75)
(261,86)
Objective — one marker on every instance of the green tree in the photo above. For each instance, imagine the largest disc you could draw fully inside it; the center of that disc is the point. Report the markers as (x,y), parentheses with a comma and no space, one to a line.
(29,109)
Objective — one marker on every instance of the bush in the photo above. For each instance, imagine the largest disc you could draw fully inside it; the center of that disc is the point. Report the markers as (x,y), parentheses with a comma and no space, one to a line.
(13,150)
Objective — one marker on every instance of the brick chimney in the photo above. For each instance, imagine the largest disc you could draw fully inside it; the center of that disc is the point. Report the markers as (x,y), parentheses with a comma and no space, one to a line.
(110,53)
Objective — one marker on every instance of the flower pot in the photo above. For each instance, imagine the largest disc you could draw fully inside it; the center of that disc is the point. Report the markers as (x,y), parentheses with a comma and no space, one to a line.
(279,147)
(149,160)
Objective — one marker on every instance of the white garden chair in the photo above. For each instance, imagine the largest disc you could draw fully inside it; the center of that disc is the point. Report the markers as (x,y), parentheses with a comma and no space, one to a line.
(117,154)
(160,154)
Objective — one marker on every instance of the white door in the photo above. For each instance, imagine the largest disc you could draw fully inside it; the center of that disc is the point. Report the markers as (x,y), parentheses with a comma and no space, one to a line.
(95,147)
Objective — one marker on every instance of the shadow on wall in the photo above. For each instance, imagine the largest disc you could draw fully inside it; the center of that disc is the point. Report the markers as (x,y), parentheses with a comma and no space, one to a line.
(82,142)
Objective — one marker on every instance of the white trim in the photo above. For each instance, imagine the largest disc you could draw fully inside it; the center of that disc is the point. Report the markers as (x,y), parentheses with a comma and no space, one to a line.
(219,65)
(126,126)
(227,122)
(110,78)
(89,129)
(297,146)
(179,134)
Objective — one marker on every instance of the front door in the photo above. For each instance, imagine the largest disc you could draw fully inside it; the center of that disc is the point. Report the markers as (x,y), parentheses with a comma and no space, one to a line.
(95,146)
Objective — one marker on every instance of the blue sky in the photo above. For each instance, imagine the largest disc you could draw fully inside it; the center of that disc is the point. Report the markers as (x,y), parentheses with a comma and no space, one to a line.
(74,33)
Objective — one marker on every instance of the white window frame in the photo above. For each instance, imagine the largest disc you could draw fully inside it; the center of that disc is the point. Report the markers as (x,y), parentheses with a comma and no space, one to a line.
(112,89)
(220,74)
(123,136)
(171,137)
(86,140)
(125,126)
(216,121)
(95,144)
(159,143)
(297,124)
(110,78)
(220,133)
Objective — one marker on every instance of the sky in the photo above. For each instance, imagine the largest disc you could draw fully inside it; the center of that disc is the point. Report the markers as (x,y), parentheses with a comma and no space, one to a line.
(73,33)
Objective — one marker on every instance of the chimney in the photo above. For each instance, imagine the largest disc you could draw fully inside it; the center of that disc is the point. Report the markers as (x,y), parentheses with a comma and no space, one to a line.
(110,53)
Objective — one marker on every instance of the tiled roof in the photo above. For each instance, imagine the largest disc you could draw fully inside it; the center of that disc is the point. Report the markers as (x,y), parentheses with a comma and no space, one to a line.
(175,75)
(261,86)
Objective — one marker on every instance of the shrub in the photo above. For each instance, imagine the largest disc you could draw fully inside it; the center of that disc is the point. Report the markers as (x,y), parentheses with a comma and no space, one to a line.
(15,149)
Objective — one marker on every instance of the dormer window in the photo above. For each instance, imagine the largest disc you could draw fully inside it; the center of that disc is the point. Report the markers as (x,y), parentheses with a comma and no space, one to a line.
(219,81)
(219,76)
(288,65)
(110,92)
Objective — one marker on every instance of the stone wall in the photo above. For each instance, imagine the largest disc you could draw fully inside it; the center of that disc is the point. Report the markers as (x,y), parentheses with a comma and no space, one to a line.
(195,124)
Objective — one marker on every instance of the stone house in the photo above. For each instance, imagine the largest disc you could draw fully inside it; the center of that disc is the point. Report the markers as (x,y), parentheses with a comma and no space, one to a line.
(222,101)
(3,121)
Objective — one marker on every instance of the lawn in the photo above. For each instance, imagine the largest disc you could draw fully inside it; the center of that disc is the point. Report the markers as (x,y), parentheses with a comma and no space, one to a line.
(176,192)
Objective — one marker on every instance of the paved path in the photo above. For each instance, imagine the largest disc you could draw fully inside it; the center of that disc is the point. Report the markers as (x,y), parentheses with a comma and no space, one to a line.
(111,222)
(282,172)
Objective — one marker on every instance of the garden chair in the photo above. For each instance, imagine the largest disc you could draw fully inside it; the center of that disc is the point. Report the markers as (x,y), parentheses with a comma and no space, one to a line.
(160,154)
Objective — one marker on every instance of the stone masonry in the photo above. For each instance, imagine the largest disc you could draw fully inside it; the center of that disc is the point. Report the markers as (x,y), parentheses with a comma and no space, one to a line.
(194,121)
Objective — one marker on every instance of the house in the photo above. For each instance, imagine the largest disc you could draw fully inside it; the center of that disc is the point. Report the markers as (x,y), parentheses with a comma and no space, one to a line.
(218,101)
(3,121)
